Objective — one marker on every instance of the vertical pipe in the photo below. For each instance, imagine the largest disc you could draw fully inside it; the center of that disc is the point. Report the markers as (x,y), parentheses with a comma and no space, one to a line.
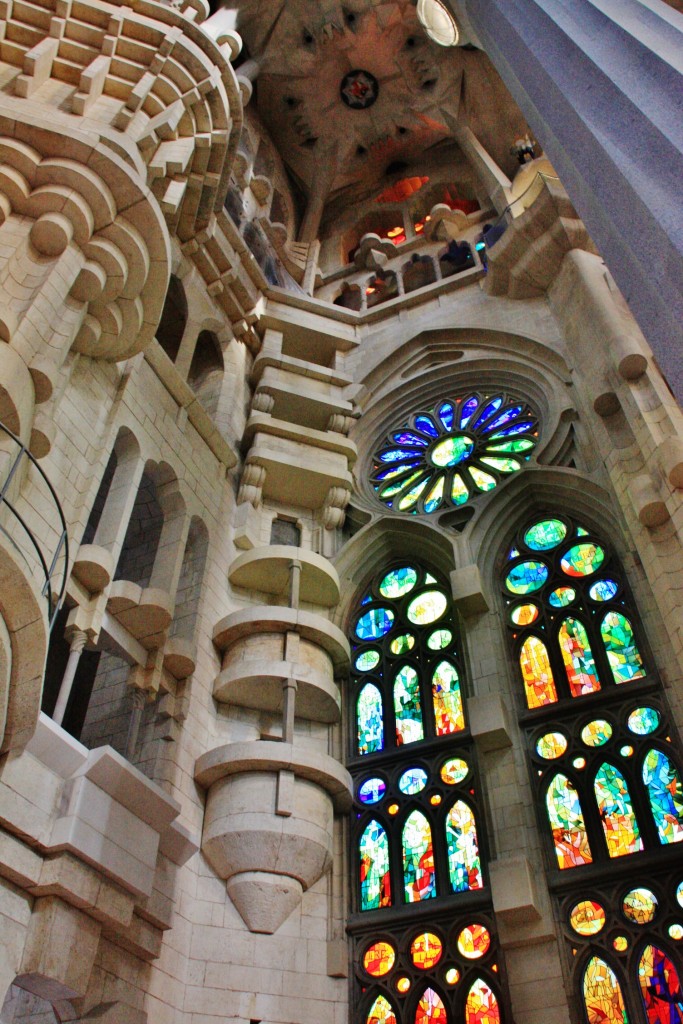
(78,640)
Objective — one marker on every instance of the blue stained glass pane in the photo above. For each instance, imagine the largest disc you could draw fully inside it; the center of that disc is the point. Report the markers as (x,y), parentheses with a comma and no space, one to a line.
(369,720)
(665,790)
(386,474)
(446,415)
(367,599)
(505,417)
(516,428)
(374,624)
(526,577)
(603,590)
(413,781)
(372,791)
(488,411)
(468,410)
(395,454)
(425,423)
(405,437)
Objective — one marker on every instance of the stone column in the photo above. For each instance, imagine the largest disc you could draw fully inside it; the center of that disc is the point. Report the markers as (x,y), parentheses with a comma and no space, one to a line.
(78,639)
(600,83)
(111,529)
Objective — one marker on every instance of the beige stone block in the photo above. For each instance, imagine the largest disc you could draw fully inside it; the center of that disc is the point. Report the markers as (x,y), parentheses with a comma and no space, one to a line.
(466,587)
(60,949)
(670,459)
(515,900)
(489,722)
(647,503)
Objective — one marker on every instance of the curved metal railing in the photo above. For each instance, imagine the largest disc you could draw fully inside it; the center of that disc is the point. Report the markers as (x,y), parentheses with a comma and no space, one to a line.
(48,563)
(536,182)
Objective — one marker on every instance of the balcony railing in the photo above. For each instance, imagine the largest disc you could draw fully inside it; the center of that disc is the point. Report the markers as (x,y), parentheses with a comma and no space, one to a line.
(50,555)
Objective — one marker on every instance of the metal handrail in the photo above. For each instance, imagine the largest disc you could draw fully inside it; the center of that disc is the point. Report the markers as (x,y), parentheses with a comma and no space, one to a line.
(54,600)
(539,174)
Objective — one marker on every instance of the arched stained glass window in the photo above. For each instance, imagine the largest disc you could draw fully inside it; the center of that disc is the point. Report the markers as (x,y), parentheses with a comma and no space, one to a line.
(602,995)
(622,834)
(660,987)
(417,834)
(578,658)
(622,653)
(448,455)
(665,790)
(567,824)
(539,685)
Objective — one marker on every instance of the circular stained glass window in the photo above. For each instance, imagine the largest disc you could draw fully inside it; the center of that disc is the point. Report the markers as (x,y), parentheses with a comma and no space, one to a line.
(474,941)
(643,721)
(448,455)
(582,560)
(402,644)
(403,986)
(366,661)
(374,624)
(587,918)
(526,577)
(413,781)
(596,733)
(398,582)
(620,943)
(603,590)
(640,905)
(379,958)
(676,932)
(561,597)
(551,745)
(454,771)
(427,607)
(439,639)
(372,790)
(452,976)
(524,614)
(426,950)
(545,535)
(679,894)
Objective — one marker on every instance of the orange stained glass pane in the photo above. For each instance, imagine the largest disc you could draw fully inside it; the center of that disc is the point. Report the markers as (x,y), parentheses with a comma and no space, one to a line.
(567,823)
(539,685)
(379,959)
(381,1012)
(430,1009)
(481,1006)
(426,950)
(578,658)
(616,812)
(602,994)
(448,711)
(474,941)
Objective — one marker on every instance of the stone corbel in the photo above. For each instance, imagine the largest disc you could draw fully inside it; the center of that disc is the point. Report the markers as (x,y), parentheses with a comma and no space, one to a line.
(647,502)
(251,485)
(334,510)
(340,423)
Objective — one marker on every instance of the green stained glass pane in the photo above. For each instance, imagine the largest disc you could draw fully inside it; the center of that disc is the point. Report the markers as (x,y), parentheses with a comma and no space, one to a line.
(578,658)
(551,745)
(643,721)
(448,710)
(519,445)
(459,492)
(484,481)
(454,770)
(413,781)
(603,590)
(381,1012)
(561,597)
(665,791)
(394,471)
(602,994)
(407,706)
(567,823)
(582,560)
(369,719)
(402,644)
(439,639)
(660,987)
(640,905)
(410,499)
(464,867)
(622,653)
(374,624)
(481,1006)
(427,607)
(596,733)
(435,495)
(452,450)
(526,577)
(616,812)
(539,685)
(375,881)
(419,879)
(545,535)
(580,532)
(398,582)
(393,488)
(367,661)
(502,465)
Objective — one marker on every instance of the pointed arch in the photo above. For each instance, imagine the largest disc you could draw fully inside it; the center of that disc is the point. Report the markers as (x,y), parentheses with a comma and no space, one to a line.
(481,1006)
(375,877)
(660,987)
(620,646)
(430,1008)
(615,807)
(464,864)
(408,706)
(419,877)
(369,719)
(567,823)
(381,1012)
(449,716)
(602,994)
(539,684)
(577,656)
(664,788)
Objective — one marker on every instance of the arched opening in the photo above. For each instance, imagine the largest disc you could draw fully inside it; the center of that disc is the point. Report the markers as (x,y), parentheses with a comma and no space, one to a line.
(142,536)
(349,297)
(381,287)
(206,371)
(418,272)
(173,319)
(455,258)
(190,583)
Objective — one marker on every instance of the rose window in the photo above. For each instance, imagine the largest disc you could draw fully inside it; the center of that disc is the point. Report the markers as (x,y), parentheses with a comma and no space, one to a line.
(449,454)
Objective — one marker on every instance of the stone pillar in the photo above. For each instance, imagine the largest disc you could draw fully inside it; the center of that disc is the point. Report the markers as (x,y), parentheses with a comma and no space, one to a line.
(78,639)
(327,168)
(620,157)
(169,557)
(111,530)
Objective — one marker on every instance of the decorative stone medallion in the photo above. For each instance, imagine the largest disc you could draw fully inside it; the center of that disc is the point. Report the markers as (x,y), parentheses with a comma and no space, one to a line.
(359,89)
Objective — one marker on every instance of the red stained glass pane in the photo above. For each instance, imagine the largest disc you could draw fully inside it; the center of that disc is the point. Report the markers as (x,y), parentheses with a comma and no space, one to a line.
(418,859)
(430,1009)
(578,658)
(616,812)
(567,824)
(382,1012)
(482,1005)
(602,994)
(660,987)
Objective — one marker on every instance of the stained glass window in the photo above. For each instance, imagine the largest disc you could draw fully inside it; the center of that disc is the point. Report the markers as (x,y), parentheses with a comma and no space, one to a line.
(567,823)
(616,812)
(417,828)
(664,788)
(660,987)
(602,994)
(450,454)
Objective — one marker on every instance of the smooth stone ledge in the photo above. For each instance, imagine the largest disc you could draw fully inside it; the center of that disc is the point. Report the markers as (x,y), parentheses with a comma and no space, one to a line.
(270,756)
(258,685)
(266,619)
(267,569)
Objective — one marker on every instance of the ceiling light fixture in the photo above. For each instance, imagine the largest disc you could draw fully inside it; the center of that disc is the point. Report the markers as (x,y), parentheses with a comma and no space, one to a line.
(438,22)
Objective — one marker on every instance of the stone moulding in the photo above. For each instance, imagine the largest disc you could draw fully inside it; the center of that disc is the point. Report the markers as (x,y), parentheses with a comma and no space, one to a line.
(268,619)
(267,569)
(258,684)
(268,824)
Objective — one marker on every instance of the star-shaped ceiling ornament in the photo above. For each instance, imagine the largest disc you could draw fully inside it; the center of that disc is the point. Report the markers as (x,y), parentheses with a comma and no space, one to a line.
(359,89)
